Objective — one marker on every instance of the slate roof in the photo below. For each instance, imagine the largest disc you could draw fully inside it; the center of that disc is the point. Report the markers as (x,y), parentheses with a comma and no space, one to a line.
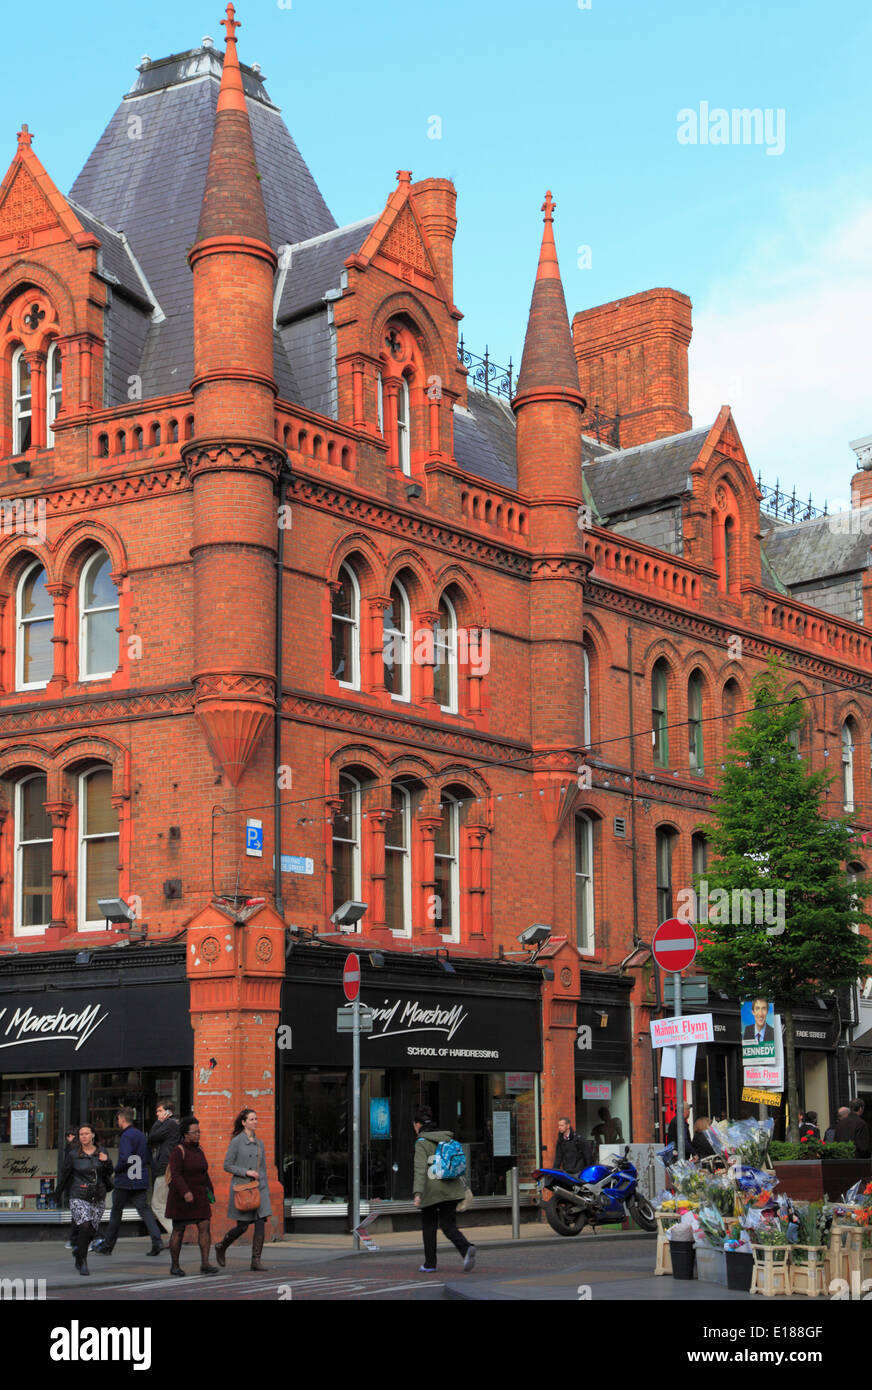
(309,269)
(630,480)
(821,548)
(116,260)
(484,439)
(146,177)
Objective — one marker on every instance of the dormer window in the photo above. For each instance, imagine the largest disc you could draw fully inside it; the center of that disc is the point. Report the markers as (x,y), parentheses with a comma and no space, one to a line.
(22,403)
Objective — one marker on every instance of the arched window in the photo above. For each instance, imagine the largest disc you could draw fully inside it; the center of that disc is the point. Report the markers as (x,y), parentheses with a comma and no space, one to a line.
(346,630)
(694,722)
(848,763)
(729,549)
(98,606)
(730,700)
(398,862)
(346,844)
(447,918)
(584,885)
(699,853)
(659,713)
(445,656)
(664,845)
(22,402)
(396,643)
(35,613)
(403,444)
(380,403)
(586,696)
(54,384)
(98,846)
(33,842)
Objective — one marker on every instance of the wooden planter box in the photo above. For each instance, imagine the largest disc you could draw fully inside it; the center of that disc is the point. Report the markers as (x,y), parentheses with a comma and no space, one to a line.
(810,1179)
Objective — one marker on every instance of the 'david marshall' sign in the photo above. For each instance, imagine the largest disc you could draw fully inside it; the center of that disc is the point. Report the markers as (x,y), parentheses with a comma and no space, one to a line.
(142,1025)
(19,1027)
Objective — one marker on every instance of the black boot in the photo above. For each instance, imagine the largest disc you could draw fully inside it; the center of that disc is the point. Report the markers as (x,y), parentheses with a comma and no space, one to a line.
(224,1245)
(257,1249)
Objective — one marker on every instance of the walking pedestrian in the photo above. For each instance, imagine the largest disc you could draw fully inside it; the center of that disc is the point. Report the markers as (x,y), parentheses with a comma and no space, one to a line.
(162,1137)
(131,1185)
(87,1172)
(437,1197)
(190,1196)
(246,1160)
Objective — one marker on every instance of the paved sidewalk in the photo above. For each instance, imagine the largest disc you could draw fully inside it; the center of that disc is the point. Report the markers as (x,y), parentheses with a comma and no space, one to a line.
(532,1234)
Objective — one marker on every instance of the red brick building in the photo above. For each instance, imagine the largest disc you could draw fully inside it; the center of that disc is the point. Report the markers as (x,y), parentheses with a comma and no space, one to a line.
(278,583)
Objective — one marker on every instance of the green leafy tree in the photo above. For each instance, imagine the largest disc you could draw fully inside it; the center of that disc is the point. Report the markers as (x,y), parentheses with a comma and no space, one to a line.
(771,832)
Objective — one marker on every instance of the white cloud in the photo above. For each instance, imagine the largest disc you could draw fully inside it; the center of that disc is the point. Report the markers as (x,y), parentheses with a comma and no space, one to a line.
(787,342)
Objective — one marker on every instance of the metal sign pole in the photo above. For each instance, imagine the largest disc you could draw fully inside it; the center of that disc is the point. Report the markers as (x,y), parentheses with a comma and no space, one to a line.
(355,1129)
(679,1073)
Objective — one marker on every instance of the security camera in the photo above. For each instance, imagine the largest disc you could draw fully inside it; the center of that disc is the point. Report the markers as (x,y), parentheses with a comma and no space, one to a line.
(536,935)
(348,915)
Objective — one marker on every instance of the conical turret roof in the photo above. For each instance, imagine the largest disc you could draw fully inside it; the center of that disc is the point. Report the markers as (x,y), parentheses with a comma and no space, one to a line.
(548,362)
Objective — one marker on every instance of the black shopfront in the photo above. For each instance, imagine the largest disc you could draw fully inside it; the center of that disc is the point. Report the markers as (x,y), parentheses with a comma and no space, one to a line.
(603,1054)
(77,1041)
(467,1044)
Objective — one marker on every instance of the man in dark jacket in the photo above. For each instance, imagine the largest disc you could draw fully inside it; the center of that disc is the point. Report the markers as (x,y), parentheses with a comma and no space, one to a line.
(672,1131)
(162,1137)
(131,1185)
(853,1129)
(569,1151)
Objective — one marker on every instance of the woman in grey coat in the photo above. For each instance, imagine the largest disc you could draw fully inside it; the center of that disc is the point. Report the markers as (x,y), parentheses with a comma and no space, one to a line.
(246,1159)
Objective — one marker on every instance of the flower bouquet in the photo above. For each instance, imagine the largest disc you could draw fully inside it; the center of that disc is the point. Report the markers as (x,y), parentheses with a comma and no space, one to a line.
(747,1141)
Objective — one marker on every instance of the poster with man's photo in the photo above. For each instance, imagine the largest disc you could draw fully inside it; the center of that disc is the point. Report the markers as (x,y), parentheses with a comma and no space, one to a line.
(762,1055)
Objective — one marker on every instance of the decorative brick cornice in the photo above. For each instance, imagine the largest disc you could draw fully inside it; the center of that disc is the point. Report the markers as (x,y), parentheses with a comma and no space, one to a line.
(232,686)
(662,615)
(576,567)
(360,511)
(221,455)
(52,716)
(105,492)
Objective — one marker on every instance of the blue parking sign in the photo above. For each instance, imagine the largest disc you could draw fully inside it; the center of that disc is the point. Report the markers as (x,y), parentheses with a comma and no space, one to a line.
(254,838)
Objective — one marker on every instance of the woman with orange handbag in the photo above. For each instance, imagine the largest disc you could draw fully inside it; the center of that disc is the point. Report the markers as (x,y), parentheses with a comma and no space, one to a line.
(249,1190)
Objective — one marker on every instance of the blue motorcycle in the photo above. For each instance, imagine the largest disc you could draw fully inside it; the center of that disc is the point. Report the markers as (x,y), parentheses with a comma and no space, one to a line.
(604,1192)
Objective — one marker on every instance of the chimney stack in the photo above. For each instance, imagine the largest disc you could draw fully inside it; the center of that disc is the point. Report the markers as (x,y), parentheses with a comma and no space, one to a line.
(436,206)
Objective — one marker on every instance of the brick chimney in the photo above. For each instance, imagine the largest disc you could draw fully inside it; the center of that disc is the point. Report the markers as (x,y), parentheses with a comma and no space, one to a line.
(436,205)
(632,362)
(861,483)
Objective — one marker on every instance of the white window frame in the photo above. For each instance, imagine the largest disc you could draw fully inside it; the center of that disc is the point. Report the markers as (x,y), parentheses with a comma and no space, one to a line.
(696,743)
(19,847)
(18,414)
(585,897)
(445,642)
(20,624)
(406,930)
(98,924)
(354,623)
(354,838)
(53,395)
(848,765)
(451,813)
(404,451)
(380,403)
(586,696)
(84,614)
(660,714)
(404,634)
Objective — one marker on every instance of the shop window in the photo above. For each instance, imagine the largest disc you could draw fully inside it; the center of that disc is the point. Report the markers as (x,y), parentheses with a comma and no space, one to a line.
(22,403)
(396,643)
(694,722)
(346,630)
(659,713)
(848,731)
(398,863)
(31,1113)
(35,612)
(98,846)
(98,605)
(33,842)
(447,919)
(584,885)
(664,846)
(54,391)
(445,656)
(346,844)
(141,1091)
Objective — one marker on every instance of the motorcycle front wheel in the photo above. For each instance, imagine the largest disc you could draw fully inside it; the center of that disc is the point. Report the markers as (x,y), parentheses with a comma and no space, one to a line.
(642,1213)
(564,1217)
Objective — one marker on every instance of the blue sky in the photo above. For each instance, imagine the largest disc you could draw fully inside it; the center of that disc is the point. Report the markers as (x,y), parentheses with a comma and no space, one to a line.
(775,250)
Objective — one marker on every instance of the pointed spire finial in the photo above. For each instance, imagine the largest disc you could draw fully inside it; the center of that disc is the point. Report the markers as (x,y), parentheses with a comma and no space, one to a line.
(548,207)
(231,24)
(24,135)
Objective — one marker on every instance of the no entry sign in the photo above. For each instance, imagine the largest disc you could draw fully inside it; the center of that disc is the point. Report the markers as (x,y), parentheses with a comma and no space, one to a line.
(674,945)
(351,977)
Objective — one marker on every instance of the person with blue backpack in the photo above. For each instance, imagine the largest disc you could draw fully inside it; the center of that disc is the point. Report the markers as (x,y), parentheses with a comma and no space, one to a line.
(439,1184)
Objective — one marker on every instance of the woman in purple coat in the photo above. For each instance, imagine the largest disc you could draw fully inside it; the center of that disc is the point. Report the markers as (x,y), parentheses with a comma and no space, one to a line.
(190,1195)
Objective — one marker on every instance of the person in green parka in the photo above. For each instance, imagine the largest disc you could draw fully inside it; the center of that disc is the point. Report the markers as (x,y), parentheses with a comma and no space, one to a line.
(437,1197)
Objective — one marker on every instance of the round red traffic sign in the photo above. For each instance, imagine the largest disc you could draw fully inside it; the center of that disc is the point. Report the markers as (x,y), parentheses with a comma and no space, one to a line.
(351,977)
(674,945)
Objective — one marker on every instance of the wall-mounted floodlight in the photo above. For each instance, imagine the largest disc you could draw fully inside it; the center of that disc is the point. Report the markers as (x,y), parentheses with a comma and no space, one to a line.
(536,935)
(348,915)
(116,911)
